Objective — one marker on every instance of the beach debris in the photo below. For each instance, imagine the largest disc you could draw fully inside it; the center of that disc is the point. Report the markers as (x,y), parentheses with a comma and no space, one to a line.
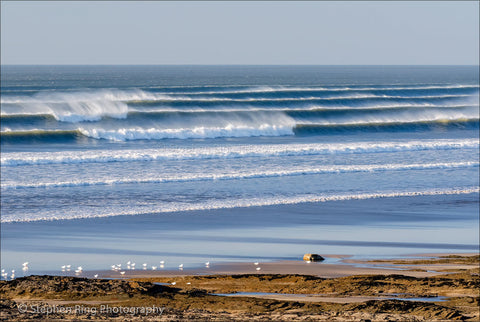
(188,283)
(313,258)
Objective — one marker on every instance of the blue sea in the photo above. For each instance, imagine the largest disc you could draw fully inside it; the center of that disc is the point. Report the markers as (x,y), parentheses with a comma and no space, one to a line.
(104,164)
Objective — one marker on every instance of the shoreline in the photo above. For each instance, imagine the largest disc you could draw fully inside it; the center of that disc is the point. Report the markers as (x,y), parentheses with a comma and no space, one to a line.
(343,266)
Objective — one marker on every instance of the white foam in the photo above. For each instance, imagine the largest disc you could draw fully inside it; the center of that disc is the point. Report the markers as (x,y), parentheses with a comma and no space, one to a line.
(74,106)
(227,204)
(246,175)
(9,159)
(196,132)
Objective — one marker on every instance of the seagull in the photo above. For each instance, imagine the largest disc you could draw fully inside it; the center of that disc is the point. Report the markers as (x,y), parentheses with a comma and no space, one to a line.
(96,275)
(162,266)
(153,268)
(258,268)
(25,268)
(180,266)
(207,264)
(122,273)
(128,263)
(162,262)
(173,283)
(63,267)
(13,271)
(25,264)
(79,268)
(68,266)
(144,264)
(256,263)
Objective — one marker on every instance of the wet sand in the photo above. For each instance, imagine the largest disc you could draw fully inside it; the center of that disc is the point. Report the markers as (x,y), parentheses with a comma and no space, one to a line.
(344,267)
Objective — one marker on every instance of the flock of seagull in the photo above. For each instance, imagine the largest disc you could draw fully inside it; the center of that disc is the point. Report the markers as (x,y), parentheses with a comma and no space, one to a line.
(115,267)
(12,276)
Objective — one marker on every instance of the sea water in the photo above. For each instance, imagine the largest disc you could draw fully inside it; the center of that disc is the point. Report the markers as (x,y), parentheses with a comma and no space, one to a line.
(188,163)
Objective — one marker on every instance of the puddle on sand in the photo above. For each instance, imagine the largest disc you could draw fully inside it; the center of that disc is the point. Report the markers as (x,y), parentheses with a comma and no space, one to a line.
(394,297)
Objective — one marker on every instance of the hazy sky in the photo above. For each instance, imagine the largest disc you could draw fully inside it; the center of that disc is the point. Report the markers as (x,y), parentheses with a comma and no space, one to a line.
(324,33)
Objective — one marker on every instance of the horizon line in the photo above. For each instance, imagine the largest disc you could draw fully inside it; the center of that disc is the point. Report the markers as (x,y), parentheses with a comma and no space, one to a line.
(72,64)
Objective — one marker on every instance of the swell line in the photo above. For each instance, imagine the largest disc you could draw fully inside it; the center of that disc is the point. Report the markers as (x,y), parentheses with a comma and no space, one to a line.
(13,159)
(239,203)
(250,175)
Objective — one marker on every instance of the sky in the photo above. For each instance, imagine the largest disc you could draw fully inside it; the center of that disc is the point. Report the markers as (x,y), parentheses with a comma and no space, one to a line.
(230,32)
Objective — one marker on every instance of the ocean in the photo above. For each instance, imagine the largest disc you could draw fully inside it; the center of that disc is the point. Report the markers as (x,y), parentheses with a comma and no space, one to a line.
(102,164)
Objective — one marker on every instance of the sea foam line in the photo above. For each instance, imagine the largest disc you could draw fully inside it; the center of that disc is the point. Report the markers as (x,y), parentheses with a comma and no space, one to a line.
(248,175)
(229,152)
(235,203)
